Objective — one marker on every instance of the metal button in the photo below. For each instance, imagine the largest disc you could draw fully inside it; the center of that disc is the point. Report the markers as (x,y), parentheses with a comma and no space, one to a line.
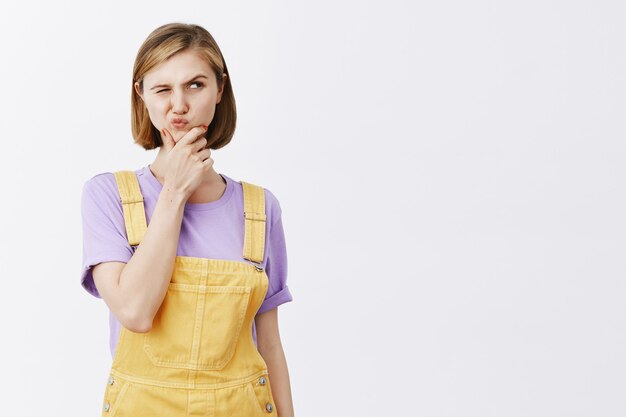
(262,380)
(111,380)
(269,407)
(258,268)
(106,406)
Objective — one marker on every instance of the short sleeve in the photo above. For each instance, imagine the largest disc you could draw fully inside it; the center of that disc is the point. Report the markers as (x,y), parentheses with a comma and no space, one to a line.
(104,231)
(276,265)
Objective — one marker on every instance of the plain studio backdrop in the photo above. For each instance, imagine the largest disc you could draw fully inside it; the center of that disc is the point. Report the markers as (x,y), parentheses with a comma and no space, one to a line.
(451,176)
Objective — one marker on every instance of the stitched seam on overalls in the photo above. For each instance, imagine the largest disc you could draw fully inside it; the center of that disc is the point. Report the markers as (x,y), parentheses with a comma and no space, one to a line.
(197,329)
(201,386)
(253,272)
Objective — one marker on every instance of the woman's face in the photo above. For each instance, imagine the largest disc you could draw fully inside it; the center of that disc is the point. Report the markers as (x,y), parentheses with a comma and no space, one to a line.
(183,87)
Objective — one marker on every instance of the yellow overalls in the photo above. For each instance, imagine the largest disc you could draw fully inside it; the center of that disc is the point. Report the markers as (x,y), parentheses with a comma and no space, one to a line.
(199,358)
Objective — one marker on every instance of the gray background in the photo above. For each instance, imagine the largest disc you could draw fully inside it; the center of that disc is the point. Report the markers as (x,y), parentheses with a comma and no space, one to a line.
(451,176)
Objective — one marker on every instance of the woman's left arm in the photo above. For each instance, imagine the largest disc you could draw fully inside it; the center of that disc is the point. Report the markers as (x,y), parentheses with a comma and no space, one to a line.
(271,349)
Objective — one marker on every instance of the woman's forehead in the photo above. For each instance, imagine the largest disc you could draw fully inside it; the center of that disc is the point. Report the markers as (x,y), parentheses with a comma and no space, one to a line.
(179,68)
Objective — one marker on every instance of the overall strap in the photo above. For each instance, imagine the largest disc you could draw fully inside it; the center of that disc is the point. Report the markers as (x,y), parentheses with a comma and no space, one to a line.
(254,213)
(132,206)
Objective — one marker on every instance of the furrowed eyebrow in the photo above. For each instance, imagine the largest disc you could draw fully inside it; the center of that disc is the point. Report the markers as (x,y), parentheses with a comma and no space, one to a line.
(167,85)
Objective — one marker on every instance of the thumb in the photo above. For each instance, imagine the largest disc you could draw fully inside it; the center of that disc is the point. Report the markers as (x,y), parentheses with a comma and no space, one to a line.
(168,140)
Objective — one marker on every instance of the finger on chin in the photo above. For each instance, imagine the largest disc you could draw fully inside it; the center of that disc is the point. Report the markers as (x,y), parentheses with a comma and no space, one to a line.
(169,135)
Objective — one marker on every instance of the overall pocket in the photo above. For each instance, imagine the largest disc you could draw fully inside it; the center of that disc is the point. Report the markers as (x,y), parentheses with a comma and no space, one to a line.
(197,326)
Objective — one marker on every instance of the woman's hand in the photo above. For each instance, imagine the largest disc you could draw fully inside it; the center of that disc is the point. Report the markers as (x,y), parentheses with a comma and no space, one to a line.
(187,160)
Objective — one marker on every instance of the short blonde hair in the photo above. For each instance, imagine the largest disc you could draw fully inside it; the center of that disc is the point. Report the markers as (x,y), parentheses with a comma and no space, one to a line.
(161,44)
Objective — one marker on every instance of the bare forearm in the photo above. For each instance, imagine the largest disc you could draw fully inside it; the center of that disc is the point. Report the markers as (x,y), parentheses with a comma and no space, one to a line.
(146,277)
(279,380)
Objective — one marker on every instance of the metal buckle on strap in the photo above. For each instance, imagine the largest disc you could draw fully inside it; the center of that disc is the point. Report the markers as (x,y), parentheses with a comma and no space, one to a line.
(251,215)
(257,265)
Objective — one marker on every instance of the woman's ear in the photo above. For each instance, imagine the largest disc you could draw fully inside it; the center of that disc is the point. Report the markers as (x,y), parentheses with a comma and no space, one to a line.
(221,90)
(138,90)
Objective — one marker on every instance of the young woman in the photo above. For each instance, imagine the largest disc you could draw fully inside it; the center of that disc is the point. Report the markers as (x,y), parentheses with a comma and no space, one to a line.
(191,263)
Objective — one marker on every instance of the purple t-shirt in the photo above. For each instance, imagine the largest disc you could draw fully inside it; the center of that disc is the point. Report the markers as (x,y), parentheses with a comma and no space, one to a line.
(209,230)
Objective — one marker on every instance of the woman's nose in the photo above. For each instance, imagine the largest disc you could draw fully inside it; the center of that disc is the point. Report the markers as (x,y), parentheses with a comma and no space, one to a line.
(179,103)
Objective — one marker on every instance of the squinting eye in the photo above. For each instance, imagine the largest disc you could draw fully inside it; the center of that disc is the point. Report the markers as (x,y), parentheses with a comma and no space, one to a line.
(195,82)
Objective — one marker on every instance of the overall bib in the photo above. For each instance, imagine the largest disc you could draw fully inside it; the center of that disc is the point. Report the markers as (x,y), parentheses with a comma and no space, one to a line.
(199,358)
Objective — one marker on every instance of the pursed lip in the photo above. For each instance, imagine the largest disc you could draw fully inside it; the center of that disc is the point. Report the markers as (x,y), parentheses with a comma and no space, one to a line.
(179,122)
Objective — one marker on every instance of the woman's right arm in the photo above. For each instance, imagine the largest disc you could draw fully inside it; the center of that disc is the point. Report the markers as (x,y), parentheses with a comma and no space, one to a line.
(134,291)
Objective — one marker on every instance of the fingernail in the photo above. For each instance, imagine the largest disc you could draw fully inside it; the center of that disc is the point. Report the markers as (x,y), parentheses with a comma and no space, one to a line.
(205,127)
(163,131)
